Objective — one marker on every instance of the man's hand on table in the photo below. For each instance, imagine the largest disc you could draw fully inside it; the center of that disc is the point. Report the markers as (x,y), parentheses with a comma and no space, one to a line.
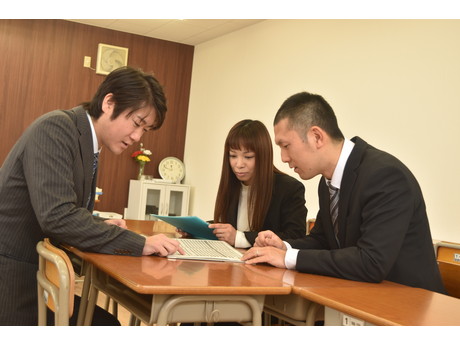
(161,245)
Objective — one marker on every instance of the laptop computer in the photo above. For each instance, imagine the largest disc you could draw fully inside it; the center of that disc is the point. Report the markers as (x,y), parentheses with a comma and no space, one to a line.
(211,250)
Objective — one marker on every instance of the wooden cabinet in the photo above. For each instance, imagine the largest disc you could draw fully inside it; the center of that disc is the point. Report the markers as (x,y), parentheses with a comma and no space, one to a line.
(149,197)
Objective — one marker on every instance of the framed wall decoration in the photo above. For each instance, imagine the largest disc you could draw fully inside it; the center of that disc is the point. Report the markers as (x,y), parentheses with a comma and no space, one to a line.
(110,58)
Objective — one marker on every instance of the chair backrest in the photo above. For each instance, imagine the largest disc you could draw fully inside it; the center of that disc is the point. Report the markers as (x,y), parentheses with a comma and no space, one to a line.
(448,257)
(56,283)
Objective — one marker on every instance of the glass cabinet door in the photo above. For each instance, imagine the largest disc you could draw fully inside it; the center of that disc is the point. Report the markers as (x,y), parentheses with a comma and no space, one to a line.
(175,204)
(153,203)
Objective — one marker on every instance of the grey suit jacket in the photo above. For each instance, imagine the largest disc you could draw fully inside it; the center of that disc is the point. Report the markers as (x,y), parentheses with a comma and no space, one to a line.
(383,226)
(45,183)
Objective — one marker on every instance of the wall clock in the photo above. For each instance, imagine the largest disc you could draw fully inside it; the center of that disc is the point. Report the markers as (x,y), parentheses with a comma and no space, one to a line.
(110,58)
(172,168)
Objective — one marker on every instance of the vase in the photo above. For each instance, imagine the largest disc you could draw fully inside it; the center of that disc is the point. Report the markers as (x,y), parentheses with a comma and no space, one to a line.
(141,170)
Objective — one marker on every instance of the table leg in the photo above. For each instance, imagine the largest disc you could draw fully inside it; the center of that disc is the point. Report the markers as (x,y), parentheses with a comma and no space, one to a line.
(84,294)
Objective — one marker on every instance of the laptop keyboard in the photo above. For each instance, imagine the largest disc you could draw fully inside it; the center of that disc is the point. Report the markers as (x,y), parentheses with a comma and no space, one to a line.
(209,248)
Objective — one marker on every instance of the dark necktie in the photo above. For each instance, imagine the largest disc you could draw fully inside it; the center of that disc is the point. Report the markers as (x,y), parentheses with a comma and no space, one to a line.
(95,161)
(334,208)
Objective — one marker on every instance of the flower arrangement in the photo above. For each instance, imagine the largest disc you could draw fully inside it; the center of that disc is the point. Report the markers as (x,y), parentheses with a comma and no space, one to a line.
(142,157)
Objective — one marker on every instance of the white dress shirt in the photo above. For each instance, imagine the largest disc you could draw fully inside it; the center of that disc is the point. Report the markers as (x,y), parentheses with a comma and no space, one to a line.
(93,132)
(242,223)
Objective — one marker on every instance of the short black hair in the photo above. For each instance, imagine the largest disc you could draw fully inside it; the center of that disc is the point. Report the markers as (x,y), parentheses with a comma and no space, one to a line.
(304,110)
(132,89)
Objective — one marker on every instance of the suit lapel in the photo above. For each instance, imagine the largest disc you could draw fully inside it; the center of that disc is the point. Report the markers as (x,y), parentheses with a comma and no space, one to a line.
(86,150)
(347,185)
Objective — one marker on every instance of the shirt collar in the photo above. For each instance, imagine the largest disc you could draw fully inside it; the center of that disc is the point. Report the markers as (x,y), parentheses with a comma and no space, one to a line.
(93,133)
(340,167)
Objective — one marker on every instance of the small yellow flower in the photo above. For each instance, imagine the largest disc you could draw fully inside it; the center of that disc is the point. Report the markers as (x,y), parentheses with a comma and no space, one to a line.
(141,155)
(143,158)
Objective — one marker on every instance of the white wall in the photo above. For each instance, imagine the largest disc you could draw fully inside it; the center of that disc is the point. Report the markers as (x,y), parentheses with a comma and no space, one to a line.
(395,83)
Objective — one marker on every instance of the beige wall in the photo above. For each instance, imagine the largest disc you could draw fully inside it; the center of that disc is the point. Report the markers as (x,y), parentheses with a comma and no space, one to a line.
(395,83)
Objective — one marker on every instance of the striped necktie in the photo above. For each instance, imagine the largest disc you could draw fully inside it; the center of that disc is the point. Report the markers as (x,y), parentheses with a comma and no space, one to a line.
(334,208)
(95,162)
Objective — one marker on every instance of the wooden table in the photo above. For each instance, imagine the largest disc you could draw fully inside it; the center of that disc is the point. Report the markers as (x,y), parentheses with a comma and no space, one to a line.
(385,303)
(163,291)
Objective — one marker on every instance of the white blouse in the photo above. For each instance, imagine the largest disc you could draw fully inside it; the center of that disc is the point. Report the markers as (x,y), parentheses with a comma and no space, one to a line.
(242,223)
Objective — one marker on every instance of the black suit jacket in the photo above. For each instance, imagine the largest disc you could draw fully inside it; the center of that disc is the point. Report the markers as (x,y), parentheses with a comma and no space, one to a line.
(383,226)
(287,214)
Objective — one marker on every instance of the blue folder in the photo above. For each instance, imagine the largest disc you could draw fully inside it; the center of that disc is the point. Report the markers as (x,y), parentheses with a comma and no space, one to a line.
(195,226)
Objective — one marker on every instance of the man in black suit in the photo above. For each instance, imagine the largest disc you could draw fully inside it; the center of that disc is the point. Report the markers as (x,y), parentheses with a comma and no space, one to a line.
(381,231)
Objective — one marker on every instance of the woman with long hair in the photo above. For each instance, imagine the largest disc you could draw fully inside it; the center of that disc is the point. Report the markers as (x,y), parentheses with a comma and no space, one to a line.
(253,194)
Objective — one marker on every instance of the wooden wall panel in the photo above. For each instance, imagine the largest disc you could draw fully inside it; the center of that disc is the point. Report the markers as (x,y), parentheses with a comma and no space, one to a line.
(42,69)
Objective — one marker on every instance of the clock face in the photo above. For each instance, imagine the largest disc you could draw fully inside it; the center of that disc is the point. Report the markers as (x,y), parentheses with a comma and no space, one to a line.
(172,169)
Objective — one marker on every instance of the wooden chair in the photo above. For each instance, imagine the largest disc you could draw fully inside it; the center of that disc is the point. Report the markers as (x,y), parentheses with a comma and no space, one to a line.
(56,283)
(448,257)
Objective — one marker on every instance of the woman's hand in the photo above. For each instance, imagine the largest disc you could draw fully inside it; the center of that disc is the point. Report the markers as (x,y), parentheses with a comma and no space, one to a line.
(224,232)
(183,234)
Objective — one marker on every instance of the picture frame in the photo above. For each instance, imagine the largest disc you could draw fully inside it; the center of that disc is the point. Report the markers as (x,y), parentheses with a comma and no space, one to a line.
(110,57)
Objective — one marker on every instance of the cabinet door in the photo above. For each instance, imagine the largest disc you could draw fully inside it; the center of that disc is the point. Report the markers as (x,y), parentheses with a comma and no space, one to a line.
(154,201)
(147,198)
(176,200)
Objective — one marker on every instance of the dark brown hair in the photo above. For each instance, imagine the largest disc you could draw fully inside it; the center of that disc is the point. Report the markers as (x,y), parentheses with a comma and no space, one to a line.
(250,135)
(132,89)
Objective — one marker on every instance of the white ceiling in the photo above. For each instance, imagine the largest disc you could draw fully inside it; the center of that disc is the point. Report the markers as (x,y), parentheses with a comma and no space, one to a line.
(187,31)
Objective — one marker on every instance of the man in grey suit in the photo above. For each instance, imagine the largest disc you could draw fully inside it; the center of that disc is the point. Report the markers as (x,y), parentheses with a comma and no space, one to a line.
(381,231)
(48,180)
